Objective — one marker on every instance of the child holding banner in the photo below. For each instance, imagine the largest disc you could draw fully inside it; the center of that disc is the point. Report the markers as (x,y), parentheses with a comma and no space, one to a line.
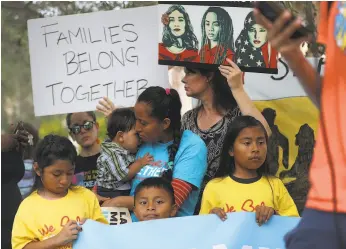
(116,165)
(49,217)
(178,156)
(242,182)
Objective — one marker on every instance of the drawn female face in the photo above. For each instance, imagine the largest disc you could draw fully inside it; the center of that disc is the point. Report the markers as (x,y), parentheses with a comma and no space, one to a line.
(257,35)
(177,23)
(212,26)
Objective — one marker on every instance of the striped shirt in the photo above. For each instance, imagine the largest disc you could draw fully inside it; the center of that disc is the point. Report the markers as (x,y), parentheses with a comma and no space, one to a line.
(112,167)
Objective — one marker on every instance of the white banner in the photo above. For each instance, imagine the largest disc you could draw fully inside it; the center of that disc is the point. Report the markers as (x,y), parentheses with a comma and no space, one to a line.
(278,86)
(77,59)
(116,215)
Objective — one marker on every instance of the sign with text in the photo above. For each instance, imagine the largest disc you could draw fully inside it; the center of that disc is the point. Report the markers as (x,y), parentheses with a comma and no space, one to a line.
(77,59)
(116,215)
(239,231)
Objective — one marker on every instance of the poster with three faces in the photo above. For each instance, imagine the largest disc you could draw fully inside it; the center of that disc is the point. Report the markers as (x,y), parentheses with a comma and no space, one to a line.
(206,34)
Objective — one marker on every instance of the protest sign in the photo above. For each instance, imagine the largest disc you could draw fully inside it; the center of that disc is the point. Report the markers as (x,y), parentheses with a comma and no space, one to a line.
(239,231)
(116,215)
(77,59)
(204,34)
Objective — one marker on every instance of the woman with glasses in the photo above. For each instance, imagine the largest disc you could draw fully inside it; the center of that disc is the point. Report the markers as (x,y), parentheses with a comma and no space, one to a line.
(84,130)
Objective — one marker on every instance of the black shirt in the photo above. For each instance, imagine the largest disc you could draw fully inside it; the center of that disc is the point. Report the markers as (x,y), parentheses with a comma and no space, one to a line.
(86,171)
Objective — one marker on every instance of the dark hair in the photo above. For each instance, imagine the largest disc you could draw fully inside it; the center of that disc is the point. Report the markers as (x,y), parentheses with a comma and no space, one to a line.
(50,149)
(223,96)
(156,182)
(239,123)
(30,150)
(163,106)
(122,119)
(189,39)
(69,116)
(225,34)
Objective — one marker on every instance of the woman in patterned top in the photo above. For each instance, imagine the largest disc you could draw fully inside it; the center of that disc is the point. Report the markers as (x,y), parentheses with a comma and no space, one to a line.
(252,47)
(222,98)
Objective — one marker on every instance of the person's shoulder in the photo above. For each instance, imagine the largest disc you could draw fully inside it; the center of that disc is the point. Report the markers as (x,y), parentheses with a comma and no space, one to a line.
(189,114)
(31,198)
(81,191)
(229,52)
(189,138)
(276,181)
(214,183)
(234,112)
(29,203)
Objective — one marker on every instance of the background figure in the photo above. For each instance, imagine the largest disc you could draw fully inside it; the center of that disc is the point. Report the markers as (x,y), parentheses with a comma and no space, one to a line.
(217,36)
(298,189)
(252,47)
(27,181)
(276,140)
(178,40)
(84,129)
(12,170)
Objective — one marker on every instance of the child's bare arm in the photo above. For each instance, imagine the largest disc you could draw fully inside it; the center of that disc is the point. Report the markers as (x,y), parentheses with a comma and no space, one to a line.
(120,201)
(135,167)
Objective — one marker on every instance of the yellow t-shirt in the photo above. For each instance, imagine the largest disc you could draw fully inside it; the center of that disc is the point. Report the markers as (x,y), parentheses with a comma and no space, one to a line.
(236,195)
(38,219)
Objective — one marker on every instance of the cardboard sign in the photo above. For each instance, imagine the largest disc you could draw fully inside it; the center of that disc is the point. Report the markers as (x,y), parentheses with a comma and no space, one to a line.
(204,34)
(77,59)
(116,215)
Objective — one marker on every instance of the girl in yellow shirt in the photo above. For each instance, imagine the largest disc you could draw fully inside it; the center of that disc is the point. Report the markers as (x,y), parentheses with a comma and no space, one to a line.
(49,217)
(242,182)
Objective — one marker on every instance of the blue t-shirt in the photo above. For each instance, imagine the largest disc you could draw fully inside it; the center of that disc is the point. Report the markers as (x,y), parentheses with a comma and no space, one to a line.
(190,165)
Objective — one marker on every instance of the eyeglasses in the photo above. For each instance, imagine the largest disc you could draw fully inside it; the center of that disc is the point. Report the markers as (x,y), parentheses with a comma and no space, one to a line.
(76,129)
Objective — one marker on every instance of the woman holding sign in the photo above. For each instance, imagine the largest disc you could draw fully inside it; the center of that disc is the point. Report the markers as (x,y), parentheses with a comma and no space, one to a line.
(178,156)
(222,97)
